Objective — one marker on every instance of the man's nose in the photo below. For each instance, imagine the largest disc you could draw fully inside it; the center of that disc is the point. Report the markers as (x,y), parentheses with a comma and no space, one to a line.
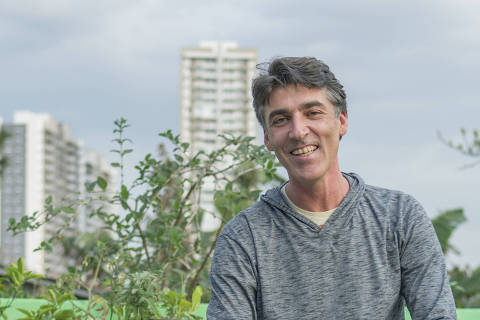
(298,129)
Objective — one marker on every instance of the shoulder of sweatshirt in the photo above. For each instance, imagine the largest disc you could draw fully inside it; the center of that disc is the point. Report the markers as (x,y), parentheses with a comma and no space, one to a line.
(399,207)
(240,226)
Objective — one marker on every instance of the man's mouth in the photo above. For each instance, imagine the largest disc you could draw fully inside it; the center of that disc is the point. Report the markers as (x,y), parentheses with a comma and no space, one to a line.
(304,151)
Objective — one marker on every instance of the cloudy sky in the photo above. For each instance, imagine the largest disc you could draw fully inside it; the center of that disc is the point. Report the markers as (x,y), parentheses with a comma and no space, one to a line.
(410,69)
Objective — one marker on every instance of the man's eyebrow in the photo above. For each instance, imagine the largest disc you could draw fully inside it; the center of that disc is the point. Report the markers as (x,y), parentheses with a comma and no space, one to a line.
(313,103)
(275,112)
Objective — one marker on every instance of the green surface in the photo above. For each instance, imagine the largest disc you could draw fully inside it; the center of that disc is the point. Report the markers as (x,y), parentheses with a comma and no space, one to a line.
(33,304)
(462,314)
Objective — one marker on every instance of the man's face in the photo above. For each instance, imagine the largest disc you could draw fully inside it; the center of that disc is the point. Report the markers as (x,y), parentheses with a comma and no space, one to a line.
(303,131)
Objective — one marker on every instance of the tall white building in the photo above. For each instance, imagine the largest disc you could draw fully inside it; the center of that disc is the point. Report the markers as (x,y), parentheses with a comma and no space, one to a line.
(43,160)
(215,98)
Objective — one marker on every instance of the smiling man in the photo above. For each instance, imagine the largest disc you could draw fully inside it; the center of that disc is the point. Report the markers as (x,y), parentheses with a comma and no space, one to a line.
(324,245)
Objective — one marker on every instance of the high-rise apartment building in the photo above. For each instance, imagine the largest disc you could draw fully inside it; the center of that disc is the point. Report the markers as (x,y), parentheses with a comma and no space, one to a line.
(43,160)
(215,98)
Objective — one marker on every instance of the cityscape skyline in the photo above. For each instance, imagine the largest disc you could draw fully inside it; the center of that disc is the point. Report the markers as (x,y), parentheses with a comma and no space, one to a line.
(45,161)
(409,69)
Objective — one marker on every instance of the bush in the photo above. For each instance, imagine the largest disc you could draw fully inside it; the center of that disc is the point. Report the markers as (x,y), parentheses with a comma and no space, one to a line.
(152,252)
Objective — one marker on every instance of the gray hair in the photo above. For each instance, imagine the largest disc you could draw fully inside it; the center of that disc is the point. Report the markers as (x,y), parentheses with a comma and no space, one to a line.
(304,71)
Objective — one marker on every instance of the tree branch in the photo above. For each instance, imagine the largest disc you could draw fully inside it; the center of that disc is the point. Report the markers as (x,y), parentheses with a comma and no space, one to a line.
(194,280)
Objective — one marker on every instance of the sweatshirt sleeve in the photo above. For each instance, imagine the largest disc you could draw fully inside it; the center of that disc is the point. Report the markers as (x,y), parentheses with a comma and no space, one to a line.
(233,282)
(425,283)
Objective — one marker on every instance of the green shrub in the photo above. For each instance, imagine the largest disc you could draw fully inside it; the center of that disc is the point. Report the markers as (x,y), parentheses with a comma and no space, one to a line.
(153,252)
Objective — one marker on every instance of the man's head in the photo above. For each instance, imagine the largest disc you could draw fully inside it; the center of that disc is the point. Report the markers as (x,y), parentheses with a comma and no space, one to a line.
(298,71)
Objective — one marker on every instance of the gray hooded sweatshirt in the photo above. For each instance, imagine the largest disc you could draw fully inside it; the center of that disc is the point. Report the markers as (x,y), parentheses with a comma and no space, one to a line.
(377,250)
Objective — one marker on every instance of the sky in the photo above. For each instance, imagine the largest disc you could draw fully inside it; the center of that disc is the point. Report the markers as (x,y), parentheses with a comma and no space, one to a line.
(410,70)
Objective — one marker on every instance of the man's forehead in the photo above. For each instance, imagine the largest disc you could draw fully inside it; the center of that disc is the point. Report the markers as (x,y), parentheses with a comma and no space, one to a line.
(296,96)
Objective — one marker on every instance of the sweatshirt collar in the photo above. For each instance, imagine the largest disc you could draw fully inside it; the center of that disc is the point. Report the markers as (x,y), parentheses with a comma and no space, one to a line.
(340,217)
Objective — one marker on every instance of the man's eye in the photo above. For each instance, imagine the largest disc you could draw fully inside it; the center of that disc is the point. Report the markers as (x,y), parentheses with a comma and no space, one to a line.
(314,113)
(279,121)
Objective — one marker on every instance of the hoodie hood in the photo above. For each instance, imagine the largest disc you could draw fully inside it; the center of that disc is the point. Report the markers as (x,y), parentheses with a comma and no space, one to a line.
(339,219)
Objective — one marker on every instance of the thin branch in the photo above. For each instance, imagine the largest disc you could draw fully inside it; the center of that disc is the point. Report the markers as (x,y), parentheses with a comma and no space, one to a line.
(87,312)
(178,219)
(94,280)
(166,270)
(470,165)
(194,280)
(144,242)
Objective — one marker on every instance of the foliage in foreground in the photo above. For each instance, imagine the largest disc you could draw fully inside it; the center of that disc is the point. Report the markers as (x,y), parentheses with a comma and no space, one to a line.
(465,282)
(152,255)
(445,224)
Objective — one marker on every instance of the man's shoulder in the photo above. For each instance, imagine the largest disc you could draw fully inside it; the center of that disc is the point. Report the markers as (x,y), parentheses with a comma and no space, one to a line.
(386,194)
(258,214)
(394,202)
(374,193)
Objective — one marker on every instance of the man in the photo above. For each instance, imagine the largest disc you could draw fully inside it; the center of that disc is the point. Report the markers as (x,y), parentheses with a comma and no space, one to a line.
(324,245)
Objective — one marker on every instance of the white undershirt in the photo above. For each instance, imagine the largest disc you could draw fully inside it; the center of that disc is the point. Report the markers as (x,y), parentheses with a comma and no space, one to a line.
(318,217)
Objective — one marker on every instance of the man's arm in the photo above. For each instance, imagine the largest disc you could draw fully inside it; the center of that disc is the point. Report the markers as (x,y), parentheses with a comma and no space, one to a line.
(425,283)
(233,282)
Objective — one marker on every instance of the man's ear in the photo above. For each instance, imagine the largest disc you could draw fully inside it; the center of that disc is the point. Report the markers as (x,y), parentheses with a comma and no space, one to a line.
(343,123)
(266,140)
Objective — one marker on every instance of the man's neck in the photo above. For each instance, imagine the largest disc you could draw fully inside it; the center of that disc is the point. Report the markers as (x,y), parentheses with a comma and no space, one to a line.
(319,196)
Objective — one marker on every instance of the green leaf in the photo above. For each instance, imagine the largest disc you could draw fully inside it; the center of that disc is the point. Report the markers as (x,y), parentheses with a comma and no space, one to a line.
(124,194)
(64,297)
(168,134)
(89,186)
(25,312)
(52,295)
(45,308)
(31,275)
(48,200)
(102,183)
(445,223)
(184,305)
(11,221)
(11,268)
(185,146)
(14,277)
(178,158)
(196,298)
(64,314)
(20,265)
(172,297)
(115,164)
(2,312)
(269,164)
(67,209)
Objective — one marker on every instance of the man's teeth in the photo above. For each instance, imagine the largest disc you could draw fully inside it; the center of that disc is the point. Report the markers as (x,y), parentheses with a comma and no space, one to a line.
(304,150)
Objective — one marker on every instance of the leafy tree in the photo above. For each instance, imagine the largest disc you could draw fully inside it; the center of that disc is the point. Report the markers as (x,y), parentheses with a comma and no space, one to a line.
(84,249)
(465,283)
(469,146)
(467,286)
(157,254)
(12,282)
(445,223)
